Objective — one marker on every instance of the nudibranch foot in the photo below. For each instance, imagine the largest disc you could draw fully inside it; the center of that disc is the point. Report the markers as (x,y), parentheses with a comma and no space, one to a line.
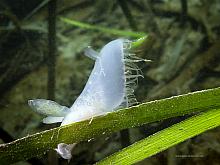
(51,119)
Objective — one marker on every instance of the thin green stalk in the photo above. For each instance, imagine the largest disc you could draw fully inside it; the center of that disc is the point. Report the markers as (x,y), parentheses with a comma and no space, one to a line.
(164,139)
(51,63)
(122,33)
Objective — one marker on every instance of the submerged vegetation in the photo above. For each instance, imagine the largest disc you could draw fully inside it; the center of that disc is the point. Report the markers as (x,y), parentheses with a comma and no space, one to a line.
(204,101)
(179,98)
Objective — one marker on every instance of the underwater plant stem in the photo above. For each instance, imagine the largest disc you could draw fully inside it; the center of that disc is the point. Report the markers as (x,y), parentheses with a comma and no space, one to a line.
(127,13)
(184,7)
(51,62)
(36,9)
(125,138)
(166,138)
(104,29)
(171,159)
(12,18)
(6,137)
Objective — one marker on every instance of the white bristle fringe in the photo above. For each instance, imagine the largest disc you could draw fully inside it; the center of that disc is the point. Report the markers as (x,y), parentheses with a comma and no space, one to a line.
(132,73)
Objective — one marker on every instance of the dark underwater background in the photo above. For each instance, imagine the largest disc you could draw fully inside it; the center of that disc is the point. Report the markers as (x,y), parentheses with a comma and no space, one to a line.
(42,57)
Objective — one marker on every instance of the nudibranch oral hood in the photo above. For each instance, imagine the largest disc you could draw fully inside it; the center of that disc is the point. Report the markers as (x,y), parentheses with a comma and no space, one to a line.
(110,86)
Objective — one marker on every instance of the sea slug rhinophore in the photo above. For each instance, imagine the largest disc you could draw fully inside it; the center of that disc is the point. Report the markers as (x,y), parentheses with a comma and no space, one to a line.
(110,86)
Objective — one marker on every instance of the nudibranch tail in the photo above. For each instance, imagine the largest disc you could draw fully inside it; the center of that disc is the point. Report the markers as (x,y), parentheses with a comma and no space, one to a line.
(53,110)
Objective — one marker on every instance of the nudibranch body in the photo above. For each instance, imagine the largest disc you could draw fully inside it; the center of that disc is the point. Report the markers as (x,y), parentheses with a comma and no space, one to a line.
(110,86)
(106,89)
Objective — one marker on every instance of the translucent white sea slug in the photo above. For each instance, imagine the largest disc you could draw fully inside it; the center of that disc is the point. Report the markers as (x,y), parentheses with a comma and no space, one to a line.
(110,86)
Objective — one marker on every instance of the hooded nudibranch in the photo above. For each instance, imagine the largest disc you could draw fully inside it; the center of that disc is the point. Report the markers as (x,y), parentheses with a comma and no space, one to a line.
(110,86)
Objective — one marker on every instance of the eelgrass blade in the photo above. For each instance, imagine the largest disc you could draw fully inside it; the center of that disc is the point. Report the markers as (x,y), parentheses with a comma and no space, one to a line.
(37,144)
(120,33)
(164,139)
